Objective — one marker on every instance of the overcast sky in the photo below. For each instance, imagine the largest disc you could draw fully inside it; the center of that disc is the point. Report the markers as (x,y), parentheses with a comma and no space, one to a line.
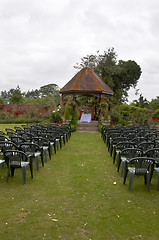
(41,40)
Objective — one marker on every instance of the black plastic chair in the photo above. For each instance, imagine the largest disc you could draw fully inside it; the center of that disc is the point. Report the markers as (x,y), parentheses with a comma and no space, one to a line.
(125,156)
(33,151)
(153,153)
(144,146)
(139,166)
(44,144)
(7,145)
(115,141)
(120,146)
(17,159)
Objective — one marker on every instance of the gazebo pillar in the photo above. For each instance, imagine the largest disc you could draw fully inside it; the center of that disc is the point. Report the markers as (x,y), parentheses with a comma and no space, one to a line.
(99,98)
(74,100)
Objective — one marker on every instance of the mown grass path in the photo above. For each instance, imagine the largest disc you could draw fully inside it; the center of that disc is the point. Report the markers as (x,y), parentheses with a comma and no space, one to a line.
(74,197)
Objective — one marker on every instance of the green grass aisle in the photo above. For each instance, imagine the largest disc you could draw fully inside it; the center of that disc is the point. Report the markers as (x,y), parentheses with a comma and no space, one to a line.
(78,195)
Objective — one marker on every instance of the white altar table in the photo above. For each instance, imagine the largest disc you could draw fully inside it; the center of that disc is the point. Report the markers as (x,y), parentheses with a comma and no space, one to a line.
(85,117)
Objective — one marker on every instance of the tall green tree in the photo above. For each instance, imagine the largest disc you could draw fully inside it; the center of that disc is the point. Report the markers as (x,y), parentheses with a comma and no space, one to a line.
(141,102)
(154,104)
(120,75)
(15,96)
(49,90)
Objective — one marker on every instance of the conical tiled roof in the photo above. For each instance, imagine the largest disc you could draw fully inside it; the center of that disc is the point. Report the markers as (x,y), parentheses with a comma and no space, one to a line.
(86,81)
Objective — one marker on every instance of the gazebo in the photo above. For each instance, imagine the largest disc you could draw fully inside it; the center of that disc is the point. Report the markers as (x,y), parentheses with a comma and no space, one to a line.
(86,83)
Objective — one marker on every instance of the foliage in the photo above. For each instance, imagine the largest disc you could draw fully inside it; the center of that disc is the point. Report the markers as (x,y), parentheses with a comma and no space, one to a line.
(74,121)
(119,76)
(55,117)
(15,96)
(49,90)
(2,102)
(154,104)
(155,117)
(141,102)
(86,101)
(115,116)
(21,120)
(106,114)
(129,114)
(66,113)
(47,94)
(156,114)
(100,126)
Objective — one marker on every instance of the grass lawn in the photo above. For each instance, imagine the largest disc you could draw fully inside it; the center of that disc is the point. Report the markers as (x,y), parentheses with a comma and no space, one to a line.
(73,197)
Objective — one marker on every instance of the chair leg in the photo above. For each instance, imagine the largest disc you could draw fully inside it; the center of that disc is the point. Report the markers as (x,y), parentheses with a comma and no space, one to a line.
(31,166)
(118,162)
(24,174)
(148,181)
(114,156)
(131,181)
(50,151)
(151,172)
(12,171)
(111,148)
(60,142)
(122,169)
(64,139)
(37,162)
(55,147)
(57,144)
(42,159)
(45,154)
(125,173)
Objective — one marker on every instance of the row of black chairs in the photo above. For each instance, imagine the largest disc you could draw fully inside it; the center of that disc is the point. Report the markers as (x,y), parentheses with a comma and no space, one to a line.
(138,155)
(21,145)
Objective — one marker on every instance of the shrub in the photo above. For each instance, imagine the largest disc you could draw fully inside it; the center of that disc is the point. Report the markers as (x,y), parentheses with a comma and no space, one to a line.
(115,116)
(156,114)
(74,121)
(55,117)
(66,113)
(100,127)
(106,114)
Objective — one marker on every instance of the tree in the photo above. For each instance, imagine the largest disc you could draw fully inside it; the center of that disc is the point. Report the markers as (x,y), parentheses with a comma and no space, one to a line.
(32,94)
(141,102)
(4,95)
(15,96)
(154,104)
(48,90)
(120,75)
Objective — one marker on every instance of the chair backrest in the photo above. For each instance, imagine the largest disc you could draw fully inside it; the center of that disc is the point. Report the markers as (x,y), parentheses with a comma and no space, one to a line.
(119,139)
(141,164)
(17,139)
(15,157)
(4,138)
(156,141)
(146,145)
(122,145)
(151,136)
(29,147)
(7,145)
(40,141)
(2,133)
(153,153)
(138,140)
(132,152)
